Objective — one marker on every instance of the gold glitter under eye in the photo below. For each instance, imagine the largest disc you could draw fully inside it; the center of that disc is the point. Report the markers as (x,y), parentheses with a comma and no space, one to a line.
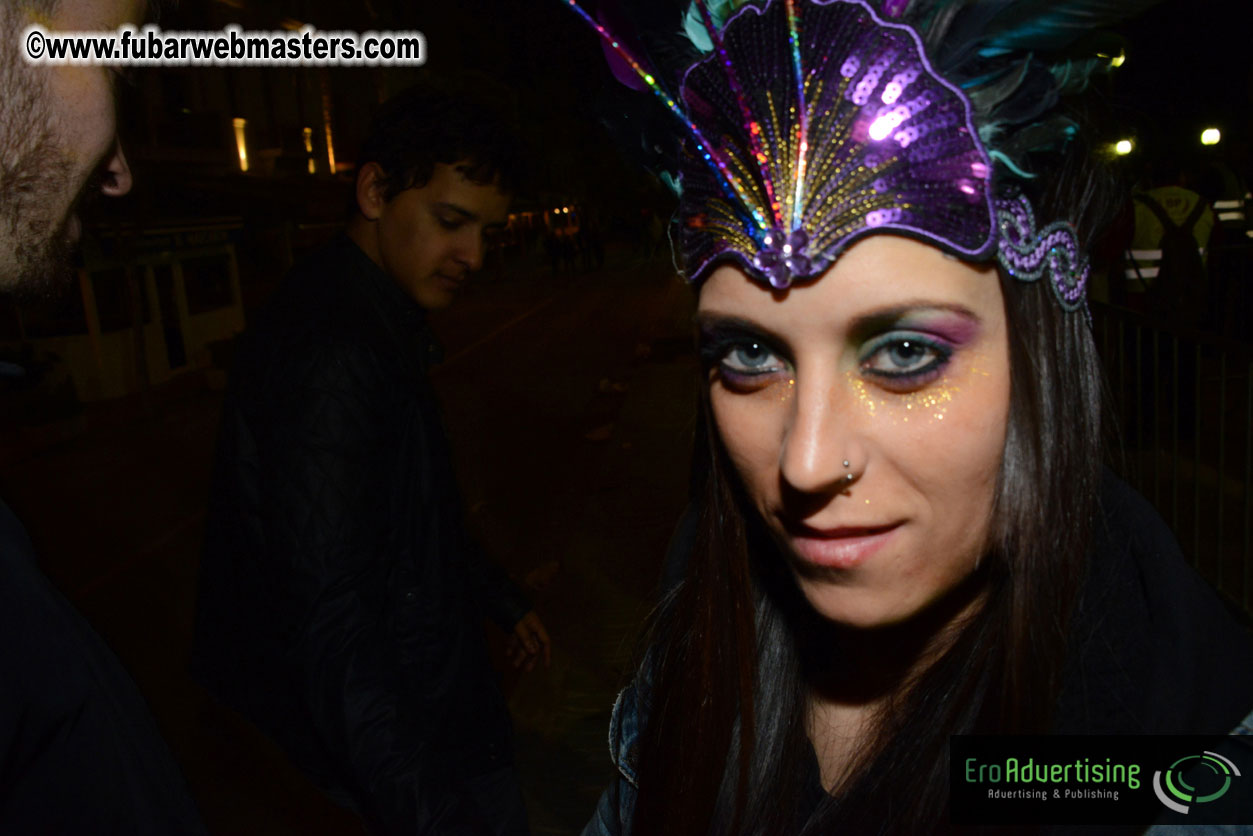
(977,364)
(788,390)
(930,402)
(933,400)
(864,396)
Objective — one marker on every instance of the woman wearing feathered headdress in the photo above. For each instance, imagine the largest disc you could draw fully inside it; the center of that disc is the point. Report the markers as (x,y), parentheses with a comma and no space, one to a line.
(905,532)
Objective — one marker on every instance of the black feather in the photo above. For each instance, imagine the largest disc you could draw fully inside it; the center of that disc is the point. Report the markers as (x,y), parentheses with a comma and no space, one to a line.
(1049,134)
(985,97)
(956,30)
(1036,94)
(1055,24)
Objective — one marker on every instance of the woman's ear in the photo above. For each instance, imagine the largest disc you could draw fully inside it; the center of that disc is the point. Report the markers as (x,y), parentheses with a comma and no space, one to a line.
(371,190)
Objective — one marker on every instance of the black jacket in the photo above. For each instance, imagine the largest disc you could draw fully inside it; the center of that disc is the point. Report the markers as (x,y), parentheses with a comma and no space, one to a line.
(341,602)
(79,753)
(1154,650)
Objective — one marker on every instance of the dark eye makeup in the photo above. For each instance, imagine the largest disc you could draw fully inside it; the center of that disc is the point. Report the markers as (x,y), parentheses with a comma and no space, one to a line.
(905,360)
(742,358)
(898,359)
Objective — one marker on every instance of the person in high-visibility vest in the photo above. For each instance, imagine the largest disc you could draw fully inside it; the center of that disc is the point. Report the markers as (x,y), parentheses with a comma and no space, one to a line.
(1159,274)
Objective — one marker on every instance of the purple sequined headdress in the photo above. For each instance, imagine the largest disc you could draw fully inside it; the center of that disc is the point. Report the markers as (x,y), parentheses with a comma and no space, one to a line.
(813,123)
(867,139)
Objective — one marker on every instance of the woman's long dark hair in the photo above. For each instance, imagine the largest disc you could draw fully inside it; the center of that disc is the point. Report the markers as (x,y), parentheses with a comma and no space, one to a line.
(724,748)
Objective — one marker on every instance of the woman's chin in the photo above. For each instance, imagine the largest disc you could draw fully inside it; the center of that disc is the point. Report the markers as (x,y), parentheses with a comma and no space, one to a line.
(865,607)
(855,606)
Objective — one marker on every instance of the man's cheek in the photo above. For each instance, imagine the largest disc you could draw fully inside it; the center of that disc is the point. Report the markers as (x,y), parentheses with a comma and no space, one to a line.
(98,15)
(83,113)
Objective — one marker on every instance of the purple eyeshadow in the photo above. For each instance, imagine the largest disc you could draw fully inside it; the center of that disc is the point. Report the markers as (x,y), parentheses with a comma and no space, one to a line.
(956,329)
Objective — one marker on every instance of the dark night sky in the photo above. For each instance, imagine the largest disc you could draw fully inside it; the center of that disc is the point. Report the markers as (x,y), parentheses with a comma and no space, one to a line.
(1189,66)
(1186,69)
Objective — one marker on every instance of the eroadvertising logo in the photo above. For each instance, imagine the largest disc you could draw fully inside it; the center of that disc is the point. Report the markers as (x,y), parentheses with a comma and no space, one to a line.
(1100,780)
(1211,771)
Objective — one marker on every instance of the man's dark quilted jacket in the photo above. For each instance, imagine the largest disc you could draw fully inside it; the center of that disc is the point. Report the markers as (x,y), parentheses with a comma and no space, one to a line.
(341,602)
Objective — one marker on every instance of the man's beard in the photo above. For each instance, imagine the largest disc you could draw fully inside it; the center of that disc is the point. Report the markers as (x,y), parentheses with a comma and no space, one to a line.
(42,253)
(37,189)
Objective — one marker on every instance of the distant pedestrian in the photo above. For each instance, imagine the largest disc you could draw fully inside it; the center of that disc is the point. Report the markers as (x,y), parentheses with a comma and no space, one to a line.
(553,248)
(1166,266)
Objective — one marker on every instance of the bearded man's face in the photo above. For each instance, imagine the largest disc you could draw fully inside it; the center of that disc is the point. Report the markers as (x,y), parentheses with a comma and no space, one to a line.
(58,141)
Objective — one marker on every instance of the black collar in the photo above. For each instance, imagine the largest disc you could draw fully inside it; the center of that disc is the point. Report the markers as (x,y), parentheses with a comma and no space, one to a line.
(405,319)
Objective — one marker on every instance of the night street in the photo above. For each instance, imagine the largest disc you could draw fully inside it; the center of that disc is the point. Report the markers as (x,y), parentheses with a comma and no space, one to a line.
(309,306)
(570,403)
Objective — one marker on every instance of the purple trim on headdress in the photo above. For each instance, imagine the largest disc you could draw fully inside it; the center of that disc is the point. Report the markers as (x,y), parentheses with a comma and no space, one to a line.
(892,144)
(1027,255)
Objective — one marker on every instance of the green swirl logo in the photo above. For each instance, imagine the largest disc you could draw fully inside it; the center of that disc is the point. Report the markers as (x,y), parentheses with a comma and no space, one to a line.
(1194,779)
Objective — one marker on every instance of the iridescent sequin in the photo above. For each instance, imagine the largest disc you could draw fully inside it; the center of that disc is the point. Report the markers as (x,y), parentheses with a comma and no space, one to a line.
(816,122)
(853,124)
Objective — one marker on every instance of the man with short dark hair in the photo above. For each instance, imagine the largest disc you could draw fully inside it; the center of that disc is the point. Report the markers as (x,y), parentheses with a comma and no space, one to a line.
(79,752)
(341,600)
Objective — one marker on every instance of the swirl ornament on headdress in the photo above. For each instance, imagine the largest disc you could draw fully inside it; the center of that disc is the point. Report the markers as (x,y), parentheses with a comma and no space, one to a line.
(814,123)
(1028,255)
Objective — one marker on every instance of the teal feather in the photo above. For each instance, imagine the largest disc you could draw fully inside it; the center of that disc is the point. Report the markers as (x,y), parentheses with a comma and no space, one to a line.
(1074,76)
(723,10)
(694,29)
(1011,165)
(671,183)
(720,11)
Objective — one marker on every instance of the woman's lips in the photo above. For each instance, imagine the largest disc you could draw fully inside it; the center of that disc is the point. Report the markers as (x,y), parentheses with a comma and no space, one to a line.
(840,548)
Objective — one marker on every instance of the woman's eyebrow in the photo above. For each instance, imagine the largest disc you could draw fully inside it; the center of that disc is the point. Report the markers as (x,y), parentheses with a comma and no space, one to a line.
(714,321)
(890,316)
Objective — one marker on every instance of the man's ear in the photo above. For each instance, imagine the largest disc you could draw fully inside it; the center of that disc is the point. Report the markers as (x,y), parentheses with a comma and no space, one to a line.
(371,190)
(115,172)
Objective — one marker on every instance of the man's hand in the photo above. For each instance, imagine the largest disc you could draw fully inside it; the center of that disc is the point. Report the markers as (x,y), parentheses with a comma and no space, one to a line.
(527,641)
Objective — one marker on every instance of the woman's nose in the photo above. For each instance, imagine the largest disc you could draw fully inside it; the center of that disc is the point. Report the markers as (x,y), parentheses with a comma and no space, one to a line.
(820,438)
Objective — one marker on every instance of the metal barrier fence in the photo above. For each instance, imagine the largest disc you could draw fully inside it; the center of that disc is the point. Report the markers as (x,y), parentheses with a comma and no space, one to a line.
(1181,404)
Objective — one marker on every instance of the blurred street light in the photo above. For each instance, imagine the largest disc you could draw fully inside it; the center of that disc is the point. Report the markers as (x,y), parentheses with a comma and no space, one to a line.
(241,143)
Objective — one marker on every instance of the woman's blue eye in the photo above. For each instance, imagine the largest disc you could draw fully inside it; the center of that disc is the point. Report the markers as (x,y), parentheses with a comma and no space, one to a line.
(747,357)
(750,359)
(905,358)
(742,360)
